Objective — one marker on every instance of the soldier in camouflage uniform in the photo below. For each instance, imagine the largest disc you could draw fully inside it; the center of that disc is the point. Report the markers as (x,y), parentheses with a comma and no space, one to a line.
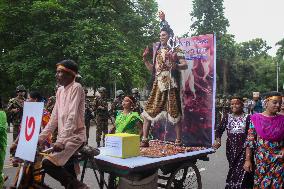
(226,105)
(117,103)
(50,103)
(49,107)
(88,114)
(101,111)
(15,109)
(136,95)
(218,111)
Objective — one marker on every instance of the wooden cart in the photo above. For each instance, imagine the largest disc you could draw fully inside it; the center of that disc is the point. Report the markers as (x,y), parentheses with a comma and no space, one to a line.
(176,171)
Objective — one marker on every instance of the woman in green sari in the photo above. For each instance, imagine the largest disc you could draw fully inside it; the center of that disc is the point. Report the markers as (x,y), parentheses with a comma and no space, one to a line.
(3,142)
(128,121)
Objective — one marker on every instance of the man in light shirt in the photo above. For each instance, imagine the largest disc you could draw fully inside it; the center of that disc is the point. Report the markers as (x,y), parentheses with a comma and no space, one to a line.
(68,117)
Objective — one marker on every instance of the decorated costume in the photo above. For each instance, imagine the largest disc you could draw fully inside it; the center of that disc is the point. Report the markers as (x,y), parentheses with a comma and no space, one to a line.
(164,100)
(237,128)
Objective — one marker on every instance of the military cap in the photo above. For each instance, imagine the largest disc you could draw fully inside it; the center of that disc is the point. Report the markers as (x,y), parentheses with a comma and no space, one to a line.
(119,92)
(134,90)
(20,88)
(101,89)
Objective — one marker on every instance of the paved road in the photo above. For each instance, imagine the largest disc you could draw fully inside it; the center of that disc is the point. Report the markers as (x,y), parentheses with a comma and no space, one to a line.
(213,172)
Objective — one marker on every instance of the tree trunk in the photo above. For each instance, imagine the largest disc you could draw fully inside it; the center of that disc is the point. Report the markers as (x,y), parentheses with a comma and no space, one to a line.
(225,77)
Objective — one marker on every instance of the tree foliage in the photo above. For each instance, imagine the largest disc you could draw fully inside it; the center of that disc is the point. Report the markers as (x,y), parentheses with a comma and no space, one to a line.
(241,68)
(208,17)
(105,38)
(280,50)
(253,48)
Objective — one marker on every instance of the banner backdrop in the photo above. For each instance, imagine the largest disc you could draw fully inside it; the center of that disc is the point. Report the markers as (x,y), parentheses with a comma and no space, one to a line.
(197,92)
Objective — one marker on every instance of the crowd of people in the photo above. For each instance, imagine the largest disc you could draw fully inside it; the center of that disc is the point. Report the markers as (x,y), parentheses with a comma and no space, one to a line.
(66,121)
(255,142)
(250,106)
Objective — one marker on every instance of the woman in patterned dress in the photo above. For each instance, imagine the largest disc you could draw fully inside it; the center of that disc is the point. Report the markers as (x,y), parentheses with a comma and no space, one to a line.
(266,141)
(236,124)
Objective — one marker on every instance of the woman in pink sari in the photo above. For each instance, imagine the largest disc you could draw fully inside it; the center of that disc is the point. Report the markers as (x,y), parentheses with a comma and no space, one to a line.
(266,142)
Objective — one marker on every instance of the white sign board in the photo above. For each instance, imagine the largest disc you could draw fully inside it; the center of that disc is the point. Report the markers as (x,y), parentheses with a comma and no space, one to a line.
(113,146)
(30,128)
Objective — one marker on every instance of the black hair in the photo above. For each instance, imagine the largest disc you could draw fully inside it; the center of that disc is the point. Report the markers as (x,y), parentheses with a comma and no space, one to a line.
(168,30)
(132,98)
(237,97)
(70,64)
(271,93)
(36,95)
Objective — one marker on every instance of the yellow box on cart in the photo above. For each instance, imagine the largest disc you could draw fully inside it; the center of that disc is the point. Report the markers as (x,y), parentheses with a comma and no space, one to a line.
(122,145)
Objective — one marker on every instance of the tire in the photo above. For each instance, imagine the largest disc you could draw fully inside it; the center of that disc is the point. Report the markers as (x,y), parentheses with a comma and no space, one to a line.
(187,176)
(113,181)
(23,178)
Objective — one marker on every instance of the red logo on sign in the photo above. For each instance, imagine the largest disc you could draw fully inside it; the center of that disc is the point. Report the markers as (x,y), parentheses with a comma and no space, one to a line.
(30,123)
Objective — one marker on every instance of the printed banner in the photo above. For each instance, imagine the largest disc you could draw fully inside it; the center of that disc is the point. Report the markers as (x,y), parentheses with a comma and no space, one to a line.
(197,92)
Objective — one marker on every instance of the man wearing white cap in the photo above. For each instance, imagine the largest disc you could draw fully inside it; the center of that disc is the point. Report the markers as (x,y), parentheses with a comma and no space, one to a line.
(257,105)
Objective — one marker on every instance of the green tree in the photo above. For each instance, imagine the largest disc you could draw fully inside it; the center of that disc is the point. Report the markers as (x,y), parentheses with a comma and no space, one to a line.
(253,48)
(280,59)
(104,37)
(208,17)
(254,71)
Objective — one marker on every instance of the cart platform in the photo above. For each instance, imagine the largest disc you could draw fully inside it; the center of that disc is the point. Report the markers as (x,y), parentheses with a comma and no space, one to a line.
(175,170)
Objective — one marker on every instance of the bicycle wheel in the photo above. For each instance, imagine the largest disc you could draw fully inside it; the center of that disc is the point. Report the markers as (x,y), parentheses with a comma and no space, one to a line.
(187,176)
(23,179)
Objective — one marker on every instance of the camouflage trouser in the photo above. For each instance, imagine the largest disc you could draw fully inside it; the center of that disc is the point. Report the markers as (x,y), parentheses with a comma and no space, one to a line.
(102,129)
(16,131)
(218,117)
(87,125)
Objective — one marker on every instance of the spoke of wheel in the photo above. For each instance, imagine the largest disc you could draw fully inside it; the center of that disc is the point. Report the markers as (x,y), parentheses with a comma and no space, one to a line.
(186,176)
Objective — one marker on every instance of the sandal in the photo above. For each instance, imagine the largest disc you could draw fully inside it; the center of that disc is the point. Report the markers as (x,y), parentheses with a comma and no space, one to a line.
(178,142)
(144,143)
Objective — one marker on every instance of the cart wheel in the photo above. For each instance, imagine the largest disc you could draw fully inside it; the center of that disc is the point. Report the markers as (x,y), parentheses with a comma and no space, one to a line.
(187,176)
(23,177)
(113,181)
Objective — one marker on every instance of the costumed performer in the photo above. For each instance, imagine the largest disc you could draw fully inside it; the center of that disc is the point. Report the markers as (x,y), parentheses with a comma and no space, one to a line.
(164,101)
